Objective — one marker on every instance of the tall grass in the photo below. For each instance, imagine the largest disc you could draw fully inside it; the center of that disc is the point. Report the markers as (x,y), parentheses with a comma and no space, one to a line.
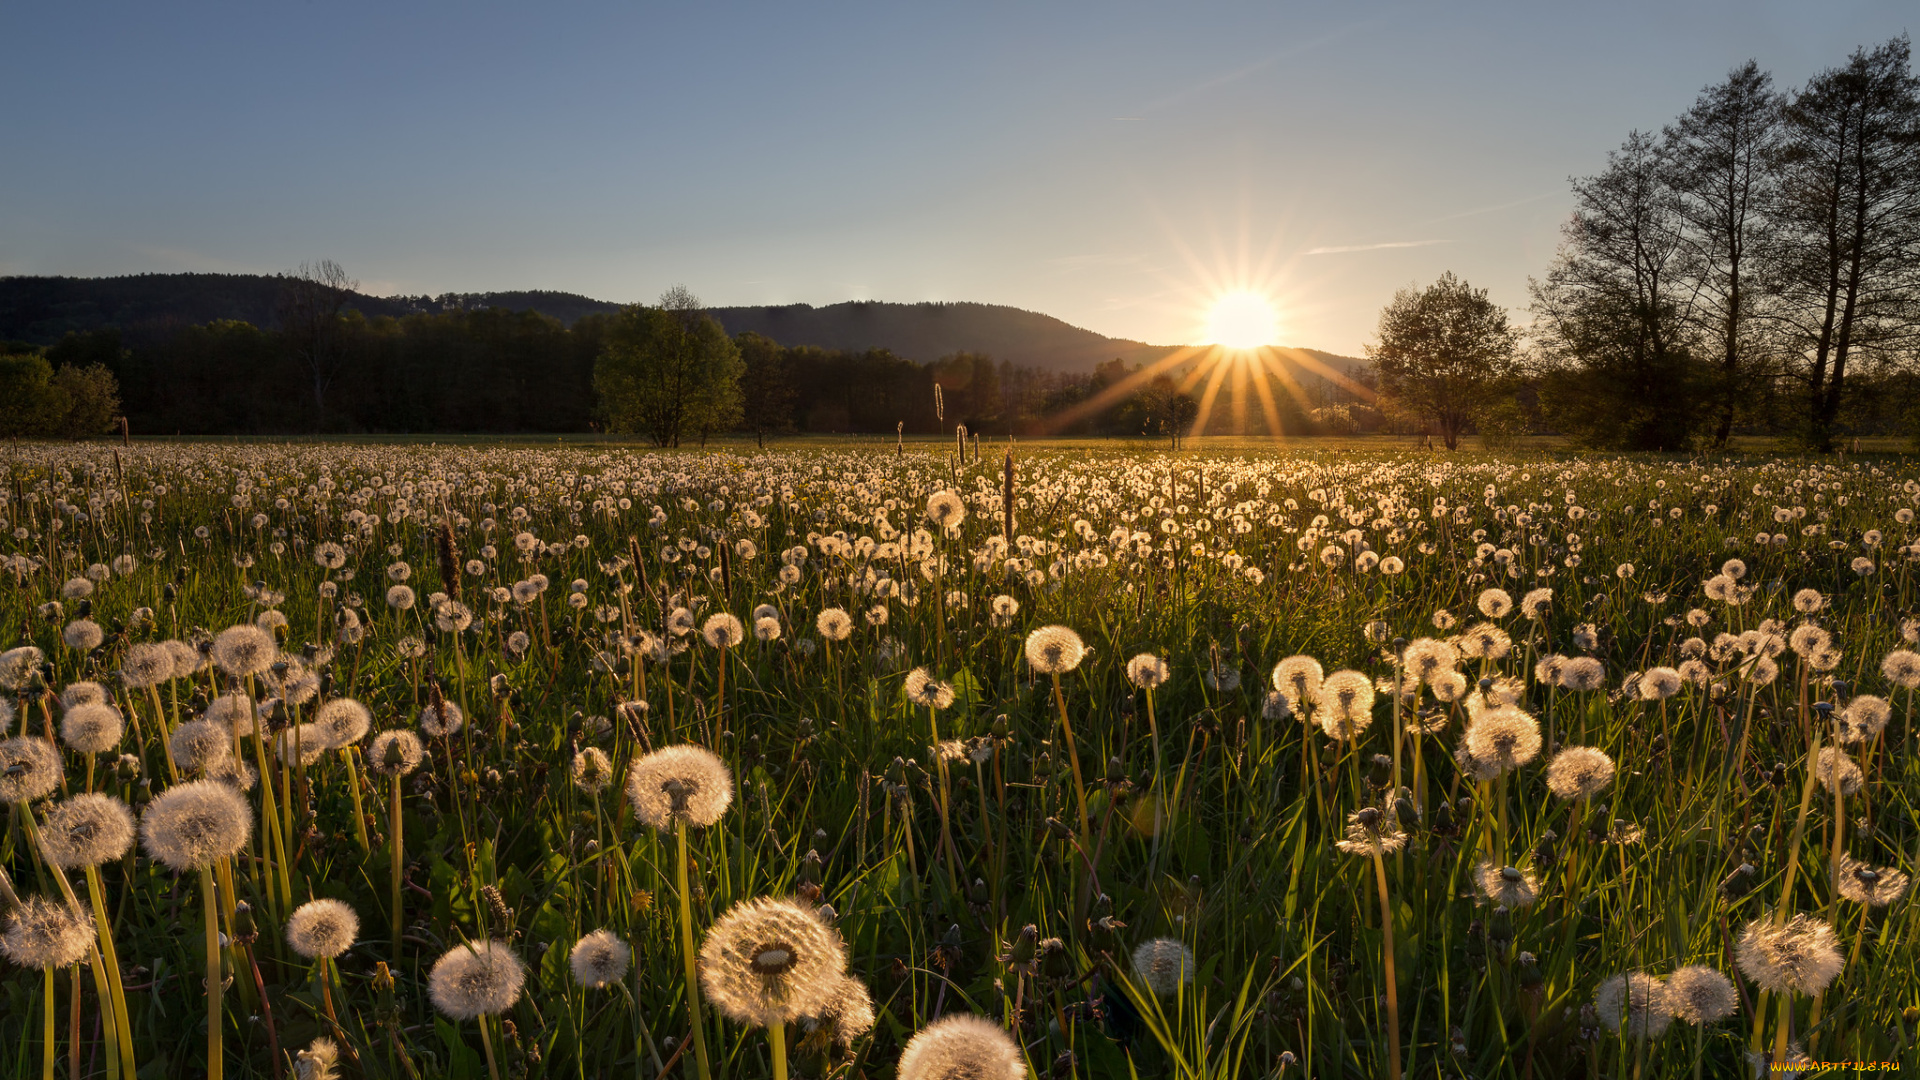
(1064,807)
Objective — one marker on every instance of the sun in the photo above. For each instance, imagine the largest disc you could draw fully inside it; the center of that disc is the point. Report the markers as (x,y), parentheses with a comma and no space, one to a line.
(1242,320)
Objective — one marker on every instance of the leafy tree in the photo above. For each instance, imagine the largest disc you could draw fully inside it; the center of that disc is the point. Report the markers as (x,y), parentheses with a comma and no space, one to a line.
(669,372)
(87,401)
(29,401)
(766,393)
(1441,348)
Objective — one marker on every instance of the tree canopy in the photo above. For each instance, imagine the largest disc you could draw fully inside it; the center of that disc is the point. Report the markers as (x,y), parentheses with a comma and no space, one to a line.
(1442,351)
(669,372)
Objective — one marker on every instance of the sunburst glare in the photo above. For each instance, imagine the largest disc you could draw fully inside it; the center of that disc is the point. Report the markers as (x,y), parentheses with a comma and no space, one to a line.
(1242,320)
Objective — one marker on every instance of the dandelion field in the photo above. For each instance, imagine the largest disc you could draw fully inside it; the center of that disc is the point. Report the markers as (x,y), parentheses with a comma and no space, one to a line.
(515,761)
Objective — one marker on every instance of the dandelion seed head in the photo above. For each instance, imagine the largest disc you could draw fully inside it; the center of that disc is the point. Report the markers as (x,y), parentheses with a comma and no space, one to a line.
(1864,718)
(1583,674)
(769,960)
(1579,772)
(1054,650)
(93,728)
(1902,668)
(1633,1006)
(599,959)
(946,510)
(1505,737)
(1870,885)
(83,693)
(86,830)
(439,721)
(1147,671)
(679,783)
(1508,887)
(83,635)
(1299,678)
(723,631)
(1370,832)
(146,664)
(1164,964)
(848,1009)
(478,978)
(322,929)
(926,691)
(1701,996)
(318,1061)
(1427,658)
(342,722)
(962,1046)
(191,826)
(30,768)
(834,624)
(1485,641)
(45,935)
(1800,957)
(1344,705)
(591,770)
(395,752)
(1837,771)
(244,650)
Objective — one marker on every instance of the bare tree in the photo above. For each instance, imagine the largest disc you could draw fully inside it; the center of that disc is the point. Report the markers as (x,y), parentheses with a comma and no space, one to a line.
(1847,258)
(309,308)
(1612,316)
(1719,152)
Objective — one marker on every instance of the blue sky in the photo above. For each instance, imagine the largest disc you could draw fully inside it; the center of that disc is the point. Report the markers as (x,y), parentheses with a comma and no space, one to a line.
(1115,165)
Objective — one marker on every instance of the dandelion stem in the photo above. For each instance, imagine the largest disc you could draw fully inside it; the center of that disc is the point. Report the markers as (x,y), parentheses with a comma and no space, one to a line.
(687,951)
(1386,956)
(777,1040)
(397,857)
(214,982)
(47,1026)
(486,1044)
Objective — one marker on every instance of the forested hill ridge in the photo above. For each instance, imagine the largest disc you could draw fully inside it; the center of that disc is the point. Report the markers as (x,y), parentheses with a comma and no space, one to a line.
(42,310)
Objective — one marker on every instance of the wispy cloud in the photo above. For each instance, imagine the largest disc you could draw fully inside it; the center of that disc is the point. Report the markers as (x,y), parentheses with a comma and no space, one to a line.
(1495,208)
(1342,249)
(1081,262)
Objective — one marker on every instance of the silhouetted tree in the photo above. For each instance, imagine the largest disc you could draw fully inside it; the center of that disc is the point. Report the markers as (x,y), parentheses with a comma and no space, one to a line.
(1848,225)
(312,300)
(1611,316)
(1719,156)
(1440,348)
(766,394)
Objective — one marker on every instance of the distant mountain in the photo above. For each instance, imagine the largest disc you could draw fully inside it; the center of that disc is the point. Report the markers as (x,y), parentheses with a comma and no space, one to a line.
(40,310)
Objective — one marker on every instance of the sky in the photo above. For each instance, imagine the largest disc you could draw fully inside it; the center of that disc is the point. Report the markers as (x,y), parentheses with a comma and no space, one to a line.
(1119,166)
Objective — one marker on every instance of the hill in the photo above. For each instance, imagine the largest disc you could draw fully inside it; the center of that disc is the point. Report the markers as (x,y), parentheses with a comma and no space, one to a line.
(41,310)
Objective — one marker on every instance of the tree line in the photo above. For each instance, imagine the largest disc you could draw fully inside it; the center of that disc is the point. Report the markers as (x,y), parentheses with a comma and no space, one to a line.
(1754,266)
(667,372)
